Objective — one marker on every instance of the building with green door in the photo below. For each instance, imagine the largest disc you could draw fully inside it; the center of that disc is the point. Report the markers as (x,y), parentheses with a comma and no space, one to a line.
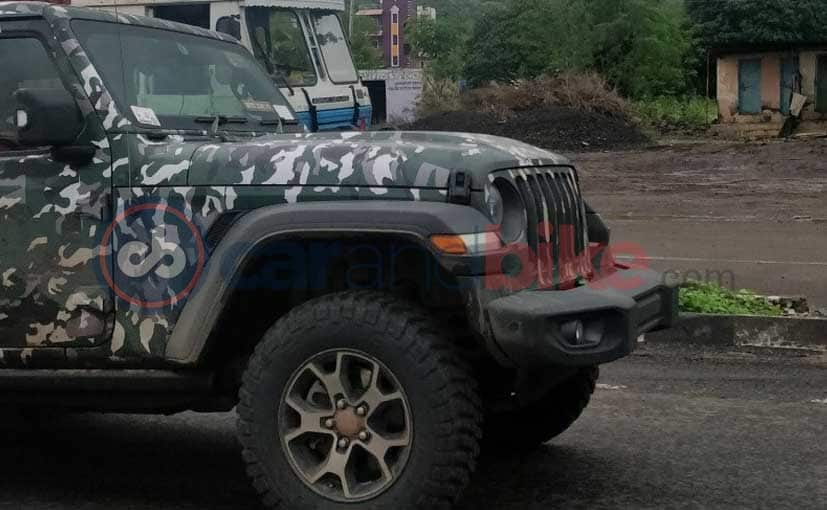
(759,88)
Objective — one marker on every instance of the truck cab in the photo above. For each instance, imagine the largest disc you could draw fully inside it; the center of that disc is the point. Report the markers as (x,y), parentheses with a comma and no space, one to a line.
(301,44)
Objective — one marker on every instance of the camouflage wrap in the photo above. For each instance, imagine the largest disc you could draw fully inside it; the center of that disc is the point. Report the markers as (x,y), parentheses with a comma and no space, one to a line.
(372,159)
(51,12)
(52,212)
(56,303)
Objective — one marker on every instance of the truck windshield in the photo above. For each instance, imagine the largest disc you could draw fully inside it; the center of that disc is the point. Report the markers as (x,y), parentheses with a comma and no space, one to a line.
(335,49)
(180,81)
(278,41)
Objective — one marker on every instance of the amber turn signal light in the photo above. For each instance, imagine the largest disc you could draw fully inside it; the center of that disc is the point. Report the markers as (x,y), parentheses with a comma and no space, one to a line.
(467,244)
(451,244)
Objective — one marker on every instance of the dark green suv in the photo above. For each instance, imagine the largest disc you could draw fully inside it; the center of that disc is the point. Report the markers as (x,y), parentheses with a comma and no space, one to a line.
(375,305)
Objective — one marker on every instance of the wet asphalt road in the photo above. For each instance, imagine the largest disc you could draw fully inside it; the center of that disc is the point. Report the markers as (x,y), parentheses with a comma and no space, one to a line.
(667,429)
(748,216)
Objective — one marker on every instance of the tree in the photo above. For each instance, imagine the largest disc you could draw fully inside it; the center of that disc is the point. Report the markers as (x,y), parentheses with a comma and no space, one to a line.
(643,47)
(442,43)
(460,9)
(525,38)
(737,22)
(491,54)
(365,54)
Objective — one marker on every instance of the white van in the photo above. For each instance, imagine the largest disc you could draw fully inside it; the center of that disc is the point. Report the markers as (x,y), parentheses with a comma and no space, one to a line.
(301,43)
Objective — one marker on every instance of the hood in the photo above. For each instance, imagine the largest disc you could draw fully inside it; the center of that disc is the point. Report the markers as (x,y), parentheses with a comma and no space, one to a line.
(374,159)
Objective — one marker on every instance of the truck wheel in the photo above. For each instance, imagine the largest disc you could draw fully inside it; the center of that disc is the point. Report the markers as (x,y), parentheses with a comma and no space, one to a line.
(356,398)
(531,426)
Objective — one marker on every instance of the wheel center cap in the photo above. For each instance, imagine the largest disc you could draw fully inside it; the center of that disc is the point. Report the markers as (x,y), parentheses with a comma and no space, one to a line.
(348,423)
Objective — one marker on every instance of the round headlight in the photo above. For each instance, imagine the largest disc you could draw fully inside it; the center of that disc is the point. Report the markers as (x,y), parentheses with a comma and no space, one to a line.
(494,204)
(513,212)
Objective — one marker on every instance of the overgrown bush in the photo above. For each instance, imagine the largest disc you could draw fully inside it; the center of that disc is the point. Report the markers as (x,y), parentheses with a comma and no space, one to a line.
(703,297)
(438,96)
(665,114)
(584,92)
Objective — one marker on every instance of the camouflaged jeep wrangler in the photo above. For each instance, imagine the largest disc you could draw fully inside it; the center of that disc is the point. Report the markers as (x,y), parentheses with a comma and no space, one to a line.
(373,304)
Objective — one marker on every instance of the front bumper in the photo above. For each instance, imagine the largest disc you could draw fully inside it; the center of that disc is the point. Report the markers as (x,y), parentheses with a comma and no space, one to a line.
(530,327)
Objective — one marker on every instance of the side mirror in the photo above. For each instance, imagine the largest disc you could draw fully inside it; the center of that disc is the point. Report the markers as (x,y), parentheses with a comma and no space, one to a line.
(46,117)
(229,25)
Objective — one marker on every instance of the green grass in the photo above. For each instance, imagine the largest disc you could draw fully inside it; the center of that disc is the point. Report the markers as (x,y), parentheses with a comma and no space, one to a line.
(700,297)
(691,113)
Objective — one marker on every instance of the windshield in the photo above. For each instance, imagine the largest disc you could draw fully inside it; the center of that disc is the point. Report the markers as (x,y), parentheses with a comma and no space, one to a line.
(278,41)
(179,81)
(335,49)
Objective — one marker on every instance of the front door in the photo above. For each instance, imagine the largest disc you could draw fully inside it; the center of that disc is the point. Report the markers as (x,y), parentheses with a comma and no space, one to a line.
(821,85)
(52,214)
(749,86)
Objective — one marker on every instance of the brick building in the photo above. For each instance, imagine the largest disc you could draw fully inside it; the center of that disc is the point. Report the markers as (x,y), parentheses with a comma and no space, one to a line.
(396,86)
(390,16)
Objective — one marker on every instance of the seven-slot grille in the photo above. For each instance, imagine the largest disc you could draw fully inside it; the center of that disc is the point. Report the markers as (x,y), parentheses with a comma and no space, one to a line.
(556,224)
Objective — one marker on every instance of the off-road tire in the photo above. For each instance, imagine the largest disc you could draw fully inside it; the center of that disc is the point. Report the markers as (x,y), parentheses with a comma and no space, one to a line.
(528,427)
(444,401)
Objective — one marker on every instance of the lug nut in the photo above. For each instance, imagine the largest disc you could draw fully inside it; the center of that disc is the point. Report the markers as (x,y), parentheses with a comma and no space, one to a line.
(343,443)
(364,436)
(341,404)
(329,423)
(361,410)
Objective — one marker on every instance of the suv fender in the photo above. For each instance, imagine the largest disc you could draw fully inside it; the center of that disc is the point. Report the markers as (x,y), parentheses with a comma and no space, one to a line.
(416,221)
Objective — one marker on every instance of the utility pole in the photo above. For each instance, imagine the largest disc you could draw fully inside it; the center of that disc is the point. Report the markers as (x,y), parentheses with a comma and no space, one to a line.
(350,13)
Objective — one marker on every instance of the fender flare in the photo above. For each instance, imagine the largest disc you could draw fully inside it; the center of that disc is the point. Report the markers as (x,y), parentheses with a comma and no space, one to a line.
(414,220)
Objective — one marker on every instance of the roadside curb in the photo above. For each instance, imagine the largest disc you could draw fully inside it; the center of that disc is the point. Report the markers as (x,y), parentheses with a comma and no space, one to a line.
(746,331)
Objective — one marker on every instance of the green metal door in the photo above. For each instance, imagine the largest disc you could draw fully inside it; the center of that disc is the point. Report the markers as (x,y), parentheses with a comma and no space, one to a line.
(749,86)
(821,85)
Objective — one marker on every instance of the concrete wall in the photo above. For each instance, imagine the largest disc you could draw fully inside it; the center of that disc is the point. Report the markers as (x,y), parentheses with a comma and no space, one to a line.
(727,88)
(771,81)
(808,62)
(402,88)
(728,83)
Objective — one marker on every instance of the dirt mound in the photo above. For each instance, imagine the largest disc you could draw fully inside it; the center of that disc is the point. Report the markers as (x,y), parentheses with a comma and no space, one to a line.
(553,128)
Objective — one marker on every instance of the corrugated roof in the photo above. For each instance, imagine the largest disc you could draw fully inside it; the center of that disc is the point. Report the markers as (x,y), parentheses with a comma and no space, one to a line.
(765,48)
(333,5)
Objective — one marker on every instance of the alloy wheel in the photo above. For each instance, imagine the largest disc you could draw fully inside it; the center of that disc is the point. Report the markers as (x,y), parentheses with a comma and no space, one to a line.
(345,425)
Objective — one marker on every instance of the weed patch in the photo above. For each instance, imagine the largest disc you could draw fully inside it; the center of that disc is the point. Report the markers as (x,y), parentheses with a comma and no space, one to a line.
(691,114)
(701,297)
